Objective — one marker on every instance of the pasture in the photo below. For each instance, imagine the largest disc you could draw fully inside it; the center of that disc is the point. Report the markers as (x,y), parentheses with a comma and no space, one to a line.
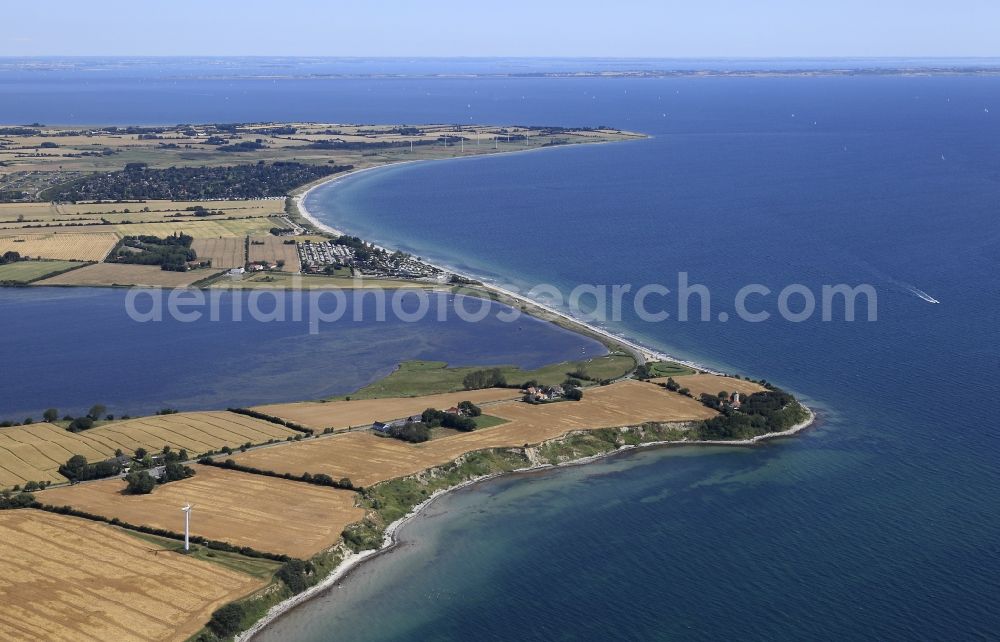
(668,369)
(265,513)
(71,579)
(367,459)
(28,271)
(93,245)
(429,377)
(106,274)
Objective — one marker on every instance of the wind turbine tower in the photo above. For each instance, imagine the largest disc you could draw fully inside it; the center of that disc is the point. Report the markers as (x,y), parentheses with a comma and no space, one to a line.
(187,527)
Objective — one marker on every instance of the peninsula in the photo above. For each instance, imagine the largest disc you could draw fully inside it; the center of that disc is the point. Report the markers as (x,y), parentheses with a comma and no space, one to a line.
(283,498)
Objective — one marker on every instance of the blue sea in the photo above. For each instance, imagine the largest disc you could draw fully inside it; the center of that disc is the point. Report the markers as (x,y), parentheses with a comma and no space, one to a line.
(881,522)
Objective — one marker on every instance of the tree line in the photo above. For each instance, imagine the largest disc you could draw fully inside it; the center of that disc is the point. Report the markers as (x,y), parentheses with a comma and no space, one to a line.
(171,253)
(140,182)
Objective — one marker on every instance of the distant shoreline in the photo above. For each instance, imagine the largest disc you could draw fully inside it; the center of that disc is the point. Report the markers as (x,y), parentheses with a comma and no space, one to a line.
(693,72)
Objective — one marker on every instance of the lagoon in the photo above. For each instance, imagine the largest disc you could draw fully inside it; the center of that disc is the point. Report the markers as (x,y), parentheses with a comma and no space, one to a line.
(72,348)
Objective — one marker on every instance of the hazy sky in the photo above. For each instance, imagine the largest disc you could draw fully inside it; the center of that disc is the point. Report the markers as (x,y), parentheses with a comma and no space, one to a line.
(692,28)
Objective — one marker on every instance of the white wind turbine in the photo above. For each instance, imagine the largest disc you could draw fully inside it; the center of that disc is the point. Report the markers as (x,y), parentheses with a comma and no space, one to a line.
(187,527)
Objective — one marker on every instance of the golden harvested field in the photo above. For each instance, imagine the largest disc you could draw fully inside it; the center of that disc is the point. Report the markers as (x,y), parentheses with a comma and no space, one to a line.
(265,513)
(225,253)
(19,215)
(10,212)
(199,229)
(35,452)
(713,384)
(70,246)
(362,412)
(368,459)
(124,274)
(273,249)
(69,579)
(197,432)
(241,208)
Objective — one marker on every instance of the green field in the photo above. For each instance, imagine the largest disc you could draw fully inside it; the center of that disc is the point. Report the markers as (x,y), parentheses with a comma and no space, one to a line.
(255,566)
(488,421)
(27,271)
(669,369)
(418,378)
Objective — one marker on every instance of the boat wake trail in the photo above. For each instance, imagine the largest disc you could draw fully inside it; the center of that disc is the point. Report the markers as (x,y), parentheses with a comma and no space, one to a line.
(920,293)
(912,289)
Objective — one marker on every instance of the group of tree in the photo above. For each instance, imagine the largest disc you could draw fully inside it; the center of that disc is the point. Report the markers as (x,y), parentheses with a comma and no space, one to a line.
(202,211)
(414,432)
(226,622)
(489,378)
(77,469)
(715,402)
(172,253)
(16,499)
(10,257)
(19,131)
(319,479)
(142,482)
(74,424)
(243,146)
(673,386)
(79,424)
(432,417)
(296,575)
(759,413)
(140,182)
